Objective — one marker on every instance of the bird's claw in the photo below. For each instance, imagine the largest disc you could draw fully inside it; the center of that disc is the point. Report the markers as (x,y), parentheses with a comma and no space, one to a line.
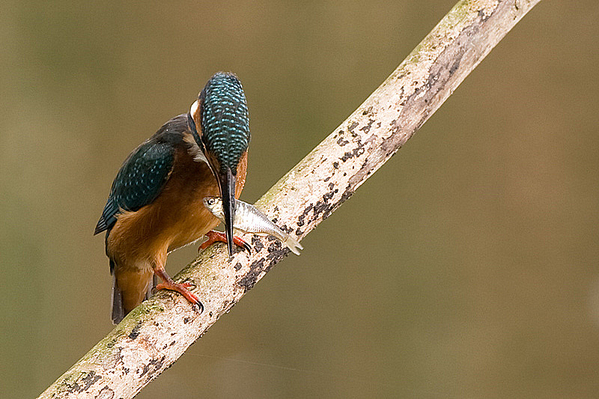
(182,288)
(198,306)
(217,236)
(243,244)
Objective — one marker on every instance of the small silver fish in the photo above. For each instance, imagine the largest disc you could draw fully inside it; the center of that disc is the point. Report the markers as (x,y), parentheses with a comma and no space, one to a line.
(249,219)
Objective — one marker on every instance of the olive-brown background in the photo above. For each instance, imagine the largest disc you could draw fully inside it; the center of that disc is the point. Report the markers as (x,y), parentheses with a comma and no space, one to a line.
(467,267)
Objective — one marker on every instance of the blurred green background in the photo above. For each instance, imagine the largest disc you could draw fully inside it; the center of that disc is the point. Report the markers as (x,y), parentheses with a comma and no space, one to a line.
(466,267)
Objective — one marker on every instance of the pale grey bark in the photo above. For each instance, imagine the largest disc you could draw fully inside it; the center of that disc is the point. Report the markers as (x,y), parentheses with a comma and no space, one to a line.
(158,332)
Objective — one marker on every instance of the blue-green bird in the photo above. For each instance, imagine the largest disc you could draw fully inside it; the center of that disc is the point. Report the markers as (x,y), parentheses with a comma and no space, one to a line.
(156,202)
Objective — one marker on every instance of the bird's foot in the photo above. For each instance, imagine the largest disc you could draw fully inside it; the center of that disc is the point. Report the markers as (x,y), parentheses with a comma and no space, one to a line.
(217,236)
(181,288)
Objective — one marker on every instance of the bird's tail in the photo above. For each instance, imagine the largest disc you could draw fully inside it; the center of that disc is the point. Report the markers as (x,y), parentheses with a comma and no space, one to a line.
(129,289)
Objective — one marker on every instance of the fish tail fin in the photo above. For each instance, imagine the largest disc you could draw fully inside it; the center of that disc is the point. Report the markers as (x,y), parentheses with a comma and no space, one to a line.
(293,245)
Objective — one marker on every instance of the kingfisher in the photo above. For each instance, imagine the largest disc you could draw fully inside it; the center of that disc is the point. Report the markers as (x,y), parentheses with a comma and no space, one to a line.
(156,202)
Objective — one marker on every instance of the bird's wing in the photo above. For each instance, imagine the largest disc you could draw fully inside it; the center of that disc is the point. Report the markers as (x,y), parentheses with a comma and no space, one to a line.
(139,181)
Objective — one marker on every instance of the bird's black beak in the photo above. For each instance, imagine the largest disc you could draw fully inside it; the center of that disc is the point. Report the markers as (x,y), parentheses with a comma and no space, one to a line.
(227,190)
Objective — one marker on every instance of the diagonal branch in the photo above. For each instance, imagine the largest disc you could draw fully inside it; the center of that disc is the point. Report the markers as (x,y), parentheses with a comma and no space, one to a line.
(157,333)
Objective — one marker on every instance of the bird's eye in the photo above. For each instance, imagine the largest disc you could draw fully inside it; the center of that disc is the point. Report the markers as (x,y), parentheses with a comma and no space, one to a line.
(210,201)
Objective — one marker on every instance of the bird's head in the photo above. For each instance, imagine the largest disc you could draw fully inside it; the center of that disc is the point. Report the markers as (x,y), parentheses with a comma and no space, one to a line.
(219,121)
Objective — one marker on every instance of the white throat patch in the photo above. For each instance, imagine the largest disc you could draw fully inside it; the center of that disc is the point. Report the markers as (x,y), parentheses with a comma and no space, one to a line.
(194,108)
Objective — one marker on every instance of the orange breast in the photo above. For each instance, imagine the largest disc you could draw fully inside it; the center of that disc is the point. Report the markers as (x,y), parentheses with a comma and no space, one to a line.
(176,218)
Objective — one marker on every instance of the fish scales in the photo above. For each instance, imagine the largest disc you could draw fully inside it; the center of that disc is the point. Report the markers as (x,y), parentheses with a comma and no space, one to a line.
(249,219)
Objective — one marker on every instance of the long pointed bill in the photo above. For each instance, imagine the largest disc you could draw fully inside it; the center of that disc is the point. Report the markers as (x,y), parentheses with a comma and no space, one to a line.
(227,190)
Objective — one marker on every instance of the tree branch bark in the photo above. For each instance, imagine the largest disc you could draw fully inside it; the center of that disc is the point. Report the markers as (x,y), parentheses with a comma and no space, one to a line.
(157,333)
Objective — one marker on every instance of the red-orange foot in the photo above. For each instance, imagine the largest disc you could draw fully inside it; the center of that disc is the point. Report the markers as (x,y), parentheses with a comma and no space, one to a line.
(181,288)
(217,236)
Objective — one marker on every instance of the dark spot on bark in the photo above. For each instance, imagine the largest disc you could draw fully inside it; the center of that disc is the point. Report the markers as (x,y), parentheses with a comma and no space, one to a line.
(395,127)
(84,383)
(286,229)
(327,179)
(105,393)
(275,245)
(454,66)
(276,256)
(347,194)
(356,152)
(342,142)
(366,128)
(135,332)
(352,127)
(299,232)
(152,368)
(322,209)
(210,314)
(301,220)
(248,281)
(119,356)
(186,320)
(237,249)
(262,266)
(237,267)
(336,165)
(257,243)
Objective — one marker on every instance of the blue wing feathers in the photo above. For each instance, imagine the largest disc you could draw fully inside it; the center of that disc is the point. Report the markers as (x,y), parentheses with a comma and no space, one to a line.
(138,182)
